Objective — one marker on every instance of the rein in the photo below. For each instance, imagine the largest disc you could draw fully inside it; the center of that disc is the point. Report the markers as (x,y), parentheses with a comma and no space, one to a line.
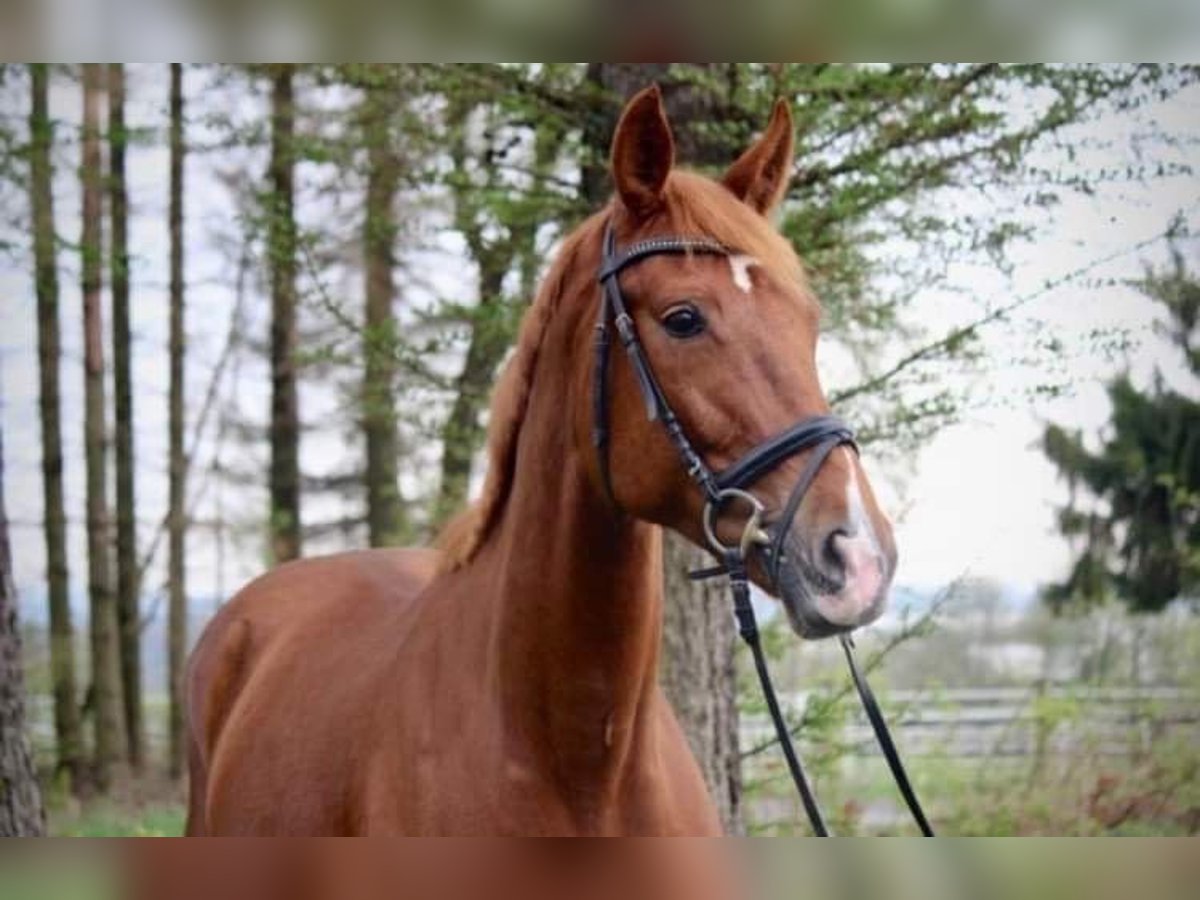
(819,434)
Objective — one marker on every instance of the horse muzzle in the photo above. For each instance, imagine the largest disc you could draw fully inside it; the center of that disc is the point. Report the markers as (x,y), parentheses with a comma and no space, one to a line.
(838,586)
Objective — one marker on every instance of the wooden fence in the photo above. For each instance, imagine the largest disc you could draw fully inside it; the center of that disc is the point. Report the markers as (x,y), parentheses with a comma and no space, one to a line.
(1010,721)
(1007,732)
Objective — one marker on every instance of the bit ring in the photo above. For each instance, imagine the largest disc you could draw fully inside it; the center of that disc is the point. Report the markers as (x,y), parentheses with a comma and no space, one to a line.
(752,533)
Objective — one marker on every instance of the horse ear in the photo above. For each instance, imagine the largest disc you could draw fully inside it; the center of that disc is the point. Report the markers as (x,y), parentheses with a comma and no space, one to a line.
(643,152)
(761,174)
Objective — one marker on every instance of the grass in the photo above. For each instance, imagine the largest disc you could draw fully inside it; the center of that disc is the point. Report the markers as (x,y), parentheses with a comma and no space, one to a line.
(149,806)
(112,819)
(1156,796)
(50,878)
(1154,793)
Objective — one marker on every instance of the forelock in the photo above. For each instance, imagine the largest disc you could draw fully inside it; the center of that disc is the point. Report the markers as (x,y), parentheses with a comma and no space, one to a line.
(698,206)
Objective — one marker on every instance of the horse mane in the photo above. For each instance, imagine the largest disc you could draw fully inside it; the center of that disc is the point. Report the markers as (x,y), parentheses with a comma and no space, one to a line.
(696,206)
(464,534)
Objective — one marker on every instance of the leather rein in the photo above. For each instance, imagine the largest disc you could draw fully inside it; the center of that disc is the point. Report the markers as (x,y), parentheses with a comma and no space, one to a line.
(819,434)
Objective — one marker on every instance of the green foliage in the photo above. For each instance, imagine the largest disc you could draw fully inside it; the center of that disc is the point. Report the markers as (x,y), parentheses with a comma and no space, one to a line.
(1140,528)
(1066,758)
(113,821)
(509,157)
(58,877)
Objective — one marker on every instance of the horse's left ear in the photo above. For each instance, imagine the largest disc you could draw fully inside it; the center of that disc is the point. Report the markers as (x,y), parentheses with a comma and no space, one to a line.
(761,174)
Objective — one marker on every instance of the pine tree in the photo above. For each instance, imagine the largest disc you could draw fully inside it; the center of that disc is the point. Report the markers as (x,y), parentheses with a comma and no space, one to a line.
(500,230)
(285,413)
(67,726)
(105,688)
(177,463)
(128,616)
(385,510)
(1134,510)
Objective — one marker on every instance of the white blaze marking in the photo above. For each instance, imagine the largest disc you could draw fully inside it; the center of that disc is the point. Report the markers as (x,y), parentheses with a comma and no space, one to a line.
(861,555)
(857,510)
(861,550)
(740,265)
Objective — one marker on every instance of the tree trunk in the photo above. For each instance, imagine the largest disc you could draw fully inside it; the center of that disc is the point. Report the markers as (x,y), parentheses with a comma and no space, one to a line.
(385,513)
(67,728)
(699,637)
(285,418)
(21,812)
(699,675)
(105,673)
(128,618)
(618,82)
(177,463)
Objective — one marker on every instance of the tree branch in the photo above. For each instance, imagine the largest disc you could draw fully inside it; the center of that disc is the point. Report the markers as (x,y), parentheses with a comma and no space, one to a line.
(956,336)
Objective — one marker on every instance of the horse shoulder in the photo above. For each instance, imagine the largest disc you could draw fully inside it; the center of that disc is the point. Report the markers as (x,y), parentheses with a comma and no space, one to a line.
(272,621)
(285,599)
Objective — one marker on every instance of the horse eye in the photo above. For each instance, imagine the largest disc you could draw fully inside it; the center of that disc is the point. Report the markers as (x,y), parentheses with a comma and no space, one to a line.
(683,321)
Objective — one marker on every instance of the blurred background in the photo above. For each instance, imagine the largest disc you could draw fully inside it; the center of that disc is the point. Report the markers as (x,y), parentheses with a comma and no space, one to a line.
(255,312)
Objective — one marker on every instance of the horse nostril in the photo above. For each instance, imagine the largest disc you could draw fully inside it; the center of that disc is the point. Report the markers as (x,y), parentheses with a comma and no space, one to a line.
(833,561)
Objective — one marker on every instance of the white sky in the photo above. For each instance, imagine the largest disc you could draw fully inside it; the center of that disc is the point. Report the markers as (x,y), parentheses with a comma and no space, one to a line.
(977,498)
(982,497)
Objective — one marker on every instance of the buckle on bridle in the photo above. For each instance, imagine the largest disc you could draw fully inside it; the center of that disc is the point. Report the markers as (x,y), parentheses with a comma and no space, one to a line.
(752,532)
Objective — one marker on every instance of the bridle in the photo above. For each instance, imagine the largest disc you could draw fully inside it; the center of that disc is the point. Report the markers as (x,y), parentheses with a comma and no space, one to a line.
(819,435)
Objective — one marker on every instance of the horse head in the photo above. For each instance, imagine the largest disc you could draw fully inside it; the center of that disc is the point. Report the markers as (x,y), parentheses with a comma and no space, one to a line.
(731,340)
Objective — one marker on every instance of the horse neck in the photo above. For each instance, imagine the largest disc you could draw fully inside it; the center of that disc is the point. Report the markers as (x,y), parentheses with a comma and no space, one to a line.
(578,599)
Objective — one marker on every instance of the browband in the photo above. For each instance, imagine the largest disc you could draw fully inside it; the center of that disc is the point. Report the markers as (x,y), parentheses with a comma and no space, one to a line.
(613,264)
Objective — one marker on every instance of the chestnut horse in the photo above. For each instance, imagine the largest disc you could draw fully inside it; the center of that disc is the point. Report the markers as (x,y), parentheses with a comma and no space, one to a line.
(505,683)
